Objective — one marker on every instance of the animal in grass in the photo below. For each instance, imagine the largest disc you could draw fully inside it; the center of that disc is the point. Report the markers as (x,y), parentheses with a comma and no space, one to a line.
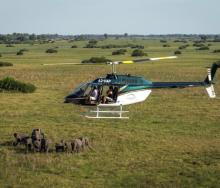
(36,145)
(19,138)
(44,145)
(23,139)
(37,135)
(62,146)
(77,145)
(85,141)
(28,144)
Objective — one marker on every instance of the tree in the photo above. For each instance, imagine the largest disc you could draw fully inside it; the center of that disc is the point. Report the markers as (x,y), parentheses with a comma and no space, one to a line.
(106,35)
(125,35)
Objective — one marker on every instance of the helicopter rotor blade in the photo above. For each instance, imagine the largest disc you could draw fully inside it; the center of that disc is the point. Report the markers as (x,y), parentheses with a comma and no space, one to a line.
(147,59)
(117,62)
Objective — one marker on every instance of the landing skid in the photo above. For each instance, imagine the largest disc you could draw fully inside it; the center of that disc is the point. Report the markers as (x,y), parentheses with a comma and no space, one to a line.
(108,114)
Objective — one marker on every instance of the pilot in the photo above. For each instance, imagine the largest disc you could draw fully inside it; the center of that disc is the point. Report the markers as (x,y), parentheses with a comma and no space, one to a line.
(94,94)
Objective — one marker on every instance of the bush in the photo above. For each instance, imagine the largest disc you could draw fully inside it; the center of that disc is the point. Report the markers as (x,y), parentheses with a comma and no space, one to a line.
(51,50)
(5,64)
(183,47)
(203,48)
(96,60)
(90,46)
(94,42)
(0,55)
(73,46)
(166,45)
(177,52)
(163,41)
(119,52)
(20,52)
(198,44)
(24,50)
(11,84)
(216,51)
(138,52)
(10,45)
(183,41)
(137,46)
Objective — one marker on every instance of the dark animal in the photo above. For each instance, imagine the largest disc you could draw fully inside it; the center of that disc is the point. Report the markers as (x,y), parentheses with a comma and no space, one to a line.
(44,145)
(36,145)
(20,139)
(37,134)
(61,147)
(28,144)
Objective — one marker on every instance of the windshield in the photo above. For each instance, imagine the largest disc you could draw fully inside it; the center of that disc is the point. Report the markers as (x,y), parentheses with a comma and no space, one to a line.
(81,90)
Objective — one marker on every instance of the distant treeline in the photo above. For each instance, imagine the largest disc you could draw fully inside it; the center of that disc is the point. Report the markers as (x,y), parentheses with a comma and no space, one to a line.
(17,38)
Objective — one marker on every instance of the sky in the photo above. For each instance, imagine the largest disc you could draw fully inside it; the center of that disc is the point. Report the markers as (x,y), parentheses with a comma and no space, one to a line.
(110,16)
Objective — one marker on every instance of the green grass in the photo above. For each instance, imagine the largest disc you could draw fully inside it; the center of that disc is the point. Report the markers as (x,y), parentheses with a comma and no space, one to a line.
(171,140)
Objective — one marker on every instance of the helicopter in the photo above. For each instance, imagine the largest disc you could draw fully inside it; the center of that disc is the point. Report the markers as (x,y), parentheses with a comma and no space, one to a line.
(129,89)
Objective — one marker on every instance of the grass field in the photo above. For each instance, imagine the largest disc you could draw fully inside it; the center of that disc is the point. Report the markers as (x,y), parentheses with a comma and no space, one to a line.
(171,140)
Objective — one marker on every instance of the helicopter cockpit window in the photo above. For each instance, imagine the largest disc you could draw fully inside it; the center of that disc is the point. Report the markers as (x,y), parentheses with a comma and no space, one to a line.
(81,89)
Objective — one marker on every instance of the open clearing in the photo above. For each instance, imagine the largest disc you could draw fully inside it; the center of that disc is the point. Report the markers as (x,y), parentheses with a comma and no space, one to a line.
(171,140)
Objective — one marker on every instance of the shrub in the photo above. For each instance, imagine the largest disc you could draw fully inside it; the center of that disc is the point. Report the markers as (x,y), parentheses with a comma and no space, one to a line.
(10,45)
(5,64)
(89,45)
(137,46)
(198,44)
(216,51)
(0,55)
(96,60)
(183,41)
(138,52)
(177,52)
(20,52)
(163,41)
(51,50)
(24,50)
(94,42)
(183,47)
(11,84)
(203,48)
(166,45)
(119,52)
(73,46)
